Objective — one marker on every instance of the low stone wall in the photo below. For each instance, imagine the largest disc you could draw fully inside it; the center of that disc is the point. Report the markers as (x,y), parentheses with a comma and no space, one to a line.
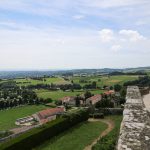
(110,111)
(135,127)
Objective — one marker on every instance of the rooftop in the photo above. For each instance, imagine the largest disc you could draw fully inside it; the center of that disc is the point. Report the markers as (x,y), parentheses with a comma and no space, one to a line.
(49,112)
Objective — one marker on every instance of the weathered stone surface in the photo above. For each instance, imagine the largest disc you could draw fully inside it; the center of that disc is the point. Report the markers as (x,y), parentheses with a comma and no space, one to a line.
(135,126)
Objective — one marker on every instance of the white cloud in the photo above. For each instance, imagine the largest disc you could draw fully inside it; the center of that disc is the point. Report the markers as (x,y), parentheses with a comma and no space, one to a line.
(132,35)
(116,48)
(42,49)
(50,37)
(106,35)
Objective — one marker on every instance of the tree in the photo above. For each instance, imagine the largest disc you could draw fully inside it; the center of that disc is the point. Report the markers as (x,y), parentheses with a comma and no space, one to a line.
(117,87)
(87,94)
(77,99)
(94,85)
(111,87)
(123,92)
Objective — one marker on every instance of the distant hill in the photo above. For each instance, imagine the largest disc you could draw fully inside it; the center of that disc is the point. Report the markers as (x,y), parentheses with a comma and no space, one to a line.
(22,74)
(137,69)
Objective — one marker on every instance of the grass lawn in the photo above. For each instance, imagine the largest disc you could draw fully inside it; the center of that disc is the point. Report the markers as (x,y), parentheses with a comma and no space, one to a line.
(8,117)
(76,138)
(28,81)
(55,95)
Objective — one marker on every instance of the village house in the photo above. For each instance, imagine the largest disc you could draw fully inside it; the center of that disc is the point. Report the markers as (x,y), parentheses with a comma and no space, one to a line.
(48,114)
(40,117)
(94,99)
(69,100)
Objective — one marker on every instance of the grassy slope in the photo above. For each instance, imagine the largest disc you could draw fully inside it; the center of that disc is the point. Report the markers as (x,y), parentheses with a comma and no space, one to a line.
(108,142)
(76,138)
(8,117)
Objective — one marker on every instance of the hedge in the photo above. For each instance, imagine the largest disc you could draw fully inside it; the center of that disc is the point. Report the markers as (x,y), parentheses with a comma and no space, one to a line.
(37,136)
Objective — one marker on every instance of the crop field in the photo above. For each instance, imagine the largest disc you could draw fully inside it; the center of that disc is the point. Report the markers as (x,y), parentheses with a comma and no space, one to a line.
(76,138)
(55,95)
(8,117)
(28,81)
(105,80)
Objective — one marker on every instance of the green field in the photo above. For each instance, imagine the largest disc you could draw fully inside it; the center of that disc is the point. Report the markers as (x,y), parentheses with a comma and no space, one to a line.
(76,138)
(8,117)
(55,95)
(105,80)
(101,80)
(28,81)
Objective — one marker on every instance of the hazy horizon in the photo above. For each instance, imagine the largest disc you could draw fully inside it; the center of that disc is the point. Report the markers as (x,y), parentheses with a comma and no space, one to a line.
(66,69)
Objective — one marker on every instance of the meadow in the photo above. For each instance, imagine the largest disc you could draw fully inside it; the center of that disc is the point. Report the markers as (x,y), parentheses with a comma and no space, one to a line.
(8,117)
(55,95)
(28,81)
(101,81)
(105,80)
(76,138)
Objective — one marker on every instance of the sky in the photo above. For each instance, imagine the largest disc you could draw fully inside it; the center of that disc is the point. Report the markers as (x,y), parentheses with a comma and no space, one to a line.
(71,34)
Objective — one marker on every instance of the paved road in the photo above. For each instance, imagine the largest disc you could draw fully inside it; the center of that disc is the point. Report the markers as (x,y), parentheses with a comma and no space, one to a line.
(110,124)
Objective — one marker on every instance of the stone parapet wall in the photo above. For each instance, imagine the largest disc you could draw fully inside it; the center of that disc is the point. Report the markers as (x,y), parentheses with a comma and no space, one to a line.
(135,126)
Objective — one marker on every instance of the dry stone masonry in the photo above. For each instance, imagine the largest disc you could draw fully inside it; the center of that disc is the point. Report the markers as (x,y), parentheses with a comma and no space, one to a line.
(135,126)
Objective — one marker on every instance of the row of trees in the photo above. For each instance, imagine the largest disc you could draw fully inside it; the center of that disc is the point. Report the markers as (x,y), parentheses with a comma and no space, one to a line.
(52,86)
(142,81)
(11,98)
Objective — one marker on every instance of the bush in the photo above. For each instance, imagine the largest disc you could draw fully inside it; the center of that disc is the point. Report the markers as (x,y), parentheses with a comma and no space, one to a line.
(37,136)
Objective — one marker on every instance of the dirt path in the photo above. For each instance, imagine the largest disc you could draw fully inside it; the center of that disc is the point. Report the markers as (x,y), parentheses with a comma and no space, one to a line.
(110,124)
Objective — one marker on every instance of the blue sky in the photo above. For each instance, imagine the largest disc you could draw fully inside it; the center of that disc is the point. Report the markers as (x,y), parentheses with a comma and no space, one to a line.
(61,34)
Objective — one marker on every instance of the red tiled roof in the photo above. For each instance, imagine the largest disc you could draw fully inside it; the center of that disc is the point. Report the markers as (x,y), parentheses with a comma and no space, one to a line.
(67,98)
(96,97)
(49,112)
(109,92)
(43,121)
